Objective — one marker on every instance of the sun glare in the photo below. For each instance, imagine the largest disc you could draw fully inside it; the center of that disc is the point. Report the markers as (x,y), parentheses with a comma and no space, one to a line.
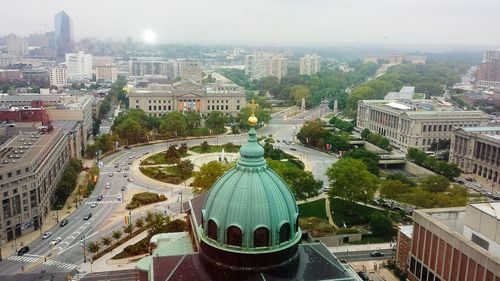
(149,36)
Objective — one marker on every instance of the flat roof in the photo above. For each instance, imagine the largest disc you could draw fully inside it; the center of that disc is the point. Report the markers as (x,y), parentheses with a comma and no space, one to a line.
(492,208)
(481,129)
(407,230)
(398,106)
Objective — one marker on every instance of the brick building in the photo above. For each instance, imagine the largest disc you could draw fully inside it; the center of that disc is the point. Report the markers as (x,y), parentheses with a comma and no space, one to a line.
(14,115)
(404,247)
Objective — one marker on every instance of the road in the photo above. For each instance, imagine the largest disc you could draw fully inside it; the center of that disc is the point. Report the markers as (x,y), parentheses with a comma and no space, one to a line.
(68,255)
(364,255)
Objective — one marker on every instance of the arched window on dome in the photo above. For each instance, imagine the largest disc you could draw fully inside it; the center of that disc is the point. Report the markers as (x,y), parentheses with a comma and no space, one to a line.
(212,230)
(284,232)
(234,236)
(261,237)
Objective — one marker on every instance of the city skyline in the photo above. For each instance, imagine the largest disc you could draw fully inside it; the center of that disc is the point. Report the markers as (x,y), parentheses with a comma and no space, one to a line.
(316,22)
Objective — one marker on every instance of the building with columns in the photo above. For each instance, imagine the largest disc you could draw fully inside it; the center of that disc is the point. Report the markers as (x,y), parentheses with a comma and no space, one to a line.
(157,100)
(477,151)
(415,123)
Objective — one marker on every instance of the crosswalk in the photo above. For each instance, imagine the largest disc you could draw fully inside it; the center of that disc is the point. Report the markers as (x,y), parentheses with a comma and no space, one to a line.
(60,264)
(103,202)
(24,258)
(114,173)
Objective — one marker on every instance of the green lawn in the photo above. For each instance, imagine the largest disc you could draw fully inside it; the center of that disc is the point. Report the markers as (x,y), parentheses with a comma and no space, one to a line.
(313,209)
(359,215)
(214,148)
(165,174)
(155,159)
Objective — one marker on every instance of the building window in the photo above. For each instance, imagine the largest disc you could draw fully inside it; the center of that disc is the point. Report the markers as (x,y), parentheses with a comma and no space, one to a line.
(149,101)
(169,107)
(261,237)
(480,241)
(424,128)
(137,106)
(154,107)
(284,232)
(212,230)
(227,107)
(238,107)
(136,101)
(234,236)
(150,107)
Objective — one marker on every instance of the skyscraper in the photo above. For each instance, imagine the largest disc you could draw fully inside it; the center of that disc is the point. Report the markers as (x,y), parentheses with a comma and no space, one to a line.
(63,34)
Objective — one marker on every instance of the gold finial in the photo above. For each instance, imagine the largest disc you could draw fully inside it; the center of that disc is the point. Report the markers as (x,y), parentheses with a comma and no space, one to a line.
(252,120)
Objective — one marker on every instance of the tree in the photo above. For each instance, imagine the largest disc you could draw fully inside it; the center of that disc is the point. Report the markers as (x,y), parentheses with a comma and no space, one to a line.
(381,225)
(117,234)
(93,247)
(338,142)
(185,168)
(173,123)
(393,189)
(106,240)
(312,132)
(129,228)
(205,147)
(158,224)
(139,223)
(365,133)
(207,175)
(215,122)
(435,183)
(350,179)
(193,119)
(302,183)
(300,92)
(130,130)
(369,158)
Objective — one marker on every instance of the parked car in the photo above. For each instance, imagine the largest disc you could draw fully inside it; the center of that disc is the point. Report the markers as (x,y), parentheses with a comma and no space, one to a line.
(63,222)
(55,241)
(376,254)
(46,235)
(23,250)
(87,216)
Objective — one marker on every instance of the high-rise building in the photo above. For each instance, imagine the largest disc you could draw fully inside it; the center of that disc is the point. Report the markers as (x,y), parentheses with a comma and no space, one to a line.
(191,70)
(309,64)
(488,72)
(17,46)
(79,66)
(262,64)
(63,35)
(106,73)
(58,75)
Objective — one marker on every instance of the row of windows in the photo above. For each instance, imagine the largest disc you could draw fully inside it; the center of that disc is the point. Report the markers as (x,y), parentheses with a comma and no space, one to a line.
(159,107)
(421,271)
(443,128)
(261,236)
(154,101)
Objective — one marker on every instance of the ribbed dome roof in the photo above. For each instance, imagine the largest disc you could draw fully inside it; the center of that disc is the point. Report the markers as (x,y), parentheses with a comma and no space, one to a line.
(255,200)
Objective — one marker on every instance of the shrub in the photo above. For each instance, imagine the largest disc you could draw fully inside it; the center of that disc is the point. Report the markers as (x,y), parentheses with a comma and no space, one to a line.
(145,198)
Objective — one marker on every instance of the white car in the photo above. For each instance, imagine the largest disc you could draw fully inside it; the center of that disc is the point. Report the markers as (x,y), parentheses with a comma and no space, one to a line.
(119,197)
(93,205)
(108,185)
(55,241)
(46,235)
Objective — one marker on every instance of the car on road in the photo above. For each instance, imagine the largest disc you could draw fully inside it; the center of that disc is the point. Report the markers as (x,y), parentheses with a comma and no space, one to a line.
(119,170)
(108,185)
(130,180)
(46,235)
(131,156)
(23,250)
(123,164)
(123,188)
(293,148)
(99,198)
(55,241)
(63,222)
(146,152)
(125,175)
(87,216)
(93,205)
(110,174)
(117,165)
(119,197)
(376,254)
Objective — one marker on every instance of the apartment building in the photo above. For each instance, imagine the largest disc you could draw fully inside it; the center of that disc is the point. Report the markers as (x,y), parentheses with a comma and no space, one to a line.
(156,67)
(31,164)
(157,100)
(415,123)
(477,151)
(106,73)
(58,75)
(456,244)
(79,66)
(17,46)
(262,64)
(190,70)
(310,64)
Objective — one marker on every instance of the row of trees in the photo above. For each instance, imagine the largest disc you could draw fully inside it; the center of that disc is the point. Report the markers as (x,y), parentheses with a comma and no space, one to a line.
(376,139)
(67,183)
(449,170)
(341,124)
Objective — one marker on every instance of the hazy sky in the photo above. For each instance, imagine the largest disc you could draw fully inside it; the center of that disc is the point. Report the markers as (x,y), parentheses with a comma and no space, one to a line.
(266,21)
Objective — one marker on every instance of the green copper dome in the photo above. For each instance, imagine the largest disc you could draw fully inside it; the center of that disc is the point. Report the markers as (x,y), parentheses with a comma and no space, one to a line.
(250,209)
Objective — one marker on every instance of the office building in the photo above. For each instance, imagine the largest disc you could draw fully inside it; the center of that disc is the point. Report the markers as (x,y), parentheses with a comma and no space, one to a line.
(63,34)
(106,73)
(58,75)
(79,66)
(262,64)
(17,46)
(310,64)
(59,107)
(190,70)
(477,151)
(456,243)
(415,123)
(245,228)
(32,162)
(157,100)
